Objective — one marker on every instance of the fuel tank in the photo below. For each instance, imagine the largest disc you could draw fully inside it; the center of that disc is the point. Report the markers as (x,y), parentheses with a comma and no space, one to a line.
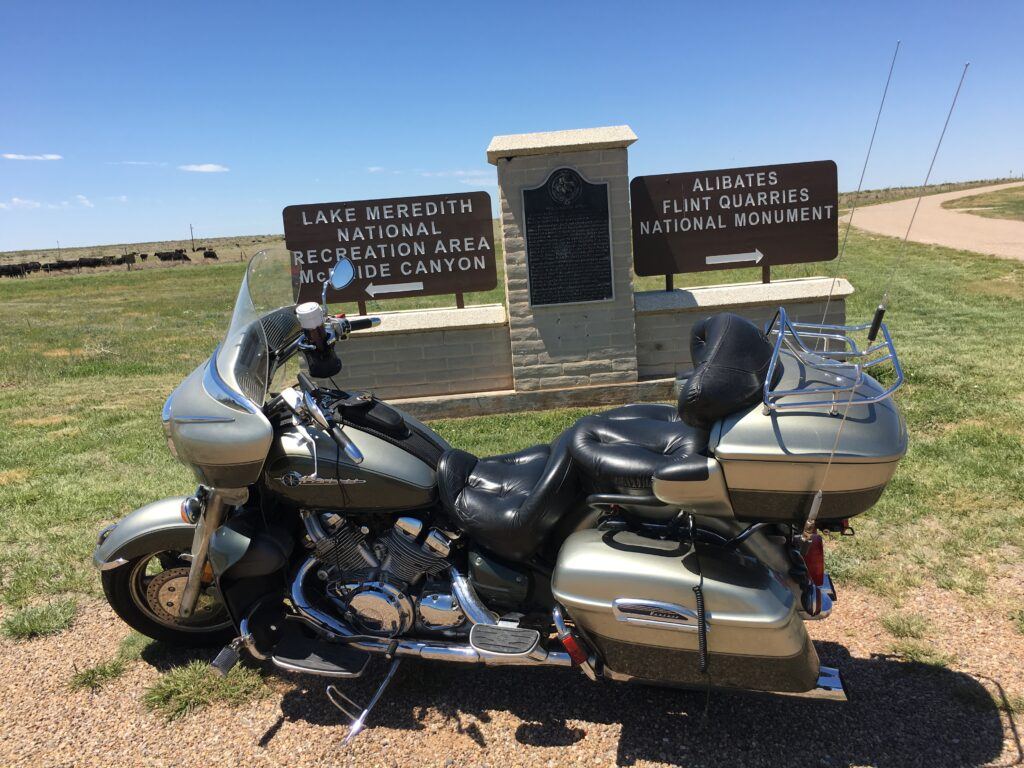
(395,474)
(633,597)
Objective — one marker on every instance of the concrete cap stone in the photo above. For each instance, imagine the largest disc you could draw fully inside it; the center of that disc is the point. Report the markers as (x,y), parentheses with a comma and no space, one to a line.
(722,297)
(552,142)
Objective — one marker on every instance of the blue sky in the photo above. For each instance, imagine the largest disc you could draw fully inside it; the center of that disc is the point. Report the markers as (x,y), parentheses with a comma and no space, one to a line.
(314,102)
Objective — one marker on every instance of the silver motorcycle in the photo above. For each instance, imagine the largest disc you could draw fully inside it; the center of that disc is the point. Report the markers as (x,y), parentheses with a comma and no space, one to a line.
(667,544)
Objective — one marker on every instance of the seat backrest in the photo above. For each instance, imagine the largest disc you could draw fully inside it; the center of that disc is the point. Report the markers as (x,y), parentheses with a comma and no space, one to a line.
(730,356)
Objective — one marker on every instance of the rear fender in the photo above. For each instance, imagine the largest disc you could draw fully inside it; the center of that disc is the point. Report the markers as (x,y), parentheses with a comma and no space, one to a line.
(155,527)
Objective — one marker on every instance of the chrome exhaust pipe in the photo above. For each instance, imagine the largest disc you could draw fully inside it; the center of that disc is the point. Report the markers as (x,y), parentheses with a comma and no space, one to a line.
(828,688)
(423,649)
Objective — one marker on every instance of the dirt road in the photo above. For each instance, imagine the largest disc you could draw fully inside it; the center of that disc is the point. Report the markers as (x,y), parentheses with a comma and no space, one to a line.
(941,226)
(900,713)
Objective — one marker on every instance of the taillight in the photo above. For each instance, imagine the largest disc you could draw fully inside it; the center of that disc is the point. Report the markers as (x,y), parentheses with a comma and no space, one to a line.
(814,559)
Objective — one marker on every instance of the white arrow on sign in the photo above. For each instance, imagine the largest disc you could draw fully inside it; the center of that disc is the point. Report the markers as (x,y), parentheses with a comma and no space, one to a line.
(736,258)
(373,290)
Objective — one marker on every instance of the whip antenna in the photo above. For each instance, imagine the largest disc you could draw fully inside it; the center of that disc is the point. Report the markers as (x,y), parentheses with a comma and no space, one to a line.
(880,311)
(876,322)
(860,184)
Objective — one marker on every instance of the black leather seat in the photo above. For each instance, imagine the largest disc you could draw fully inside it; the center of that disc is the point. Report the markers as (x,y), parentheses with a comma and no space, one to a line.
(623,449)
(509,503)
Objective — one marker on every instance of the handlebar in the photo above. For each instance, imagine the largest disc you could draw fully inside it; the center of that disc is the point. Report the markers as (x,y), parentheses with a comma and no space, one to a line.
(325,420)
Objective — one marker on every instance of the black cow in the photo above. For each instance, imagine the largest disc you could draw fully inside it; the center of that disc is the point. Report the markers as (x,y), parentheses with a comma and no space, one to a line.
(209,253)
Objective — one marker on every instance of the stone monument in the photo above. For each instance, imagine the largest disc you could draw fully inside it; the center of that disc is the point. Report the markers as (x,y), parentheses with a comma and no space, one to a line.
(564,206)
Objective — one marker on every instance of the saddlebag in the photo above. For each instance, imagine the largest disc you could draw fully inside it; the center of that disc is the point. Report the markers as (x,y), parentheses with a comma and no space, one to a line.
(632,598)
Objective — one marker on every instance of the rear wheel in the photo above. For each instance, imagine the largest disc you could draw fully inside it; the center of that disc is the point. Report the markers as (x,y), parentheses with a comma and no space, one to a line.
(146,593)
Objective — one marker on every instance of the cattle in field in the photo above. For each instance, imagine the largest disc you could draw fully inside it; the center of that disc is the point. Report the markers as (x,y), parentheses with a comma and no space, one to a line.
(209,253)
(61,266)
(90,261)
(143,256)
(176,255)
(12,270)
(32,266)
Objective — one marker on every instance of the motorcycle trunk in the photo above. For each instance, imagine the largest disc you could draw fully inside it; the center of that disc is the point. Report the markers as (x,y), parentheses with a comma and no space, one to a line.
(634,599)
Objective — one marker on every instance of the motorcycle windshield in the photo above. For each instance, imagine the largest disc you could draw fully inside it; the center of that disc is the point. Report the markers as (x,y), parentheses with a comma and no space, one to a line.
(262,323)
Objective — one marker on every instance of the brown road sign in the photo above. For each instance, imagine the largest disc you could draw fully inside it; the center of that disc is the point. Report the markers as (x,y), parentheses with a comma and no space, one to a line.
(398,247)
(763,215)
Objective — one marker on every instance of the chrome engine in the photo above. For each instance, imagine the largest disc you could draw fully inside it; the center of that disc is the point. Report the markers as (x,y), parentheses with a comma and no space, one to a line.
(388,585)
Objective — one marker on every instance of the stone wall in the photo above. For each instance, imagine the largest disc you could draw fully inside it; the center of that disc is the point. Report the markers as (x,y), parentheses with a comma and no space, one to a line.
(664,319)
(437,352)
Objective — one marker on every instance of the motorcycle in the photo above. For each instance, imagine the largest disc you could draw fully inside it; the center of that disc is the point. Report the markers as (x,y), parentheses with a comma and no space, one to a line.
(671,544)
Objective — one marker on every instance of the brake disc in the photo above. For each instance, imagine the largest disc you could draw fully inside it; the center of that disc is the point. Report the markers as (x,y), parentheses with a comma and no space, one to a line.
(164,594)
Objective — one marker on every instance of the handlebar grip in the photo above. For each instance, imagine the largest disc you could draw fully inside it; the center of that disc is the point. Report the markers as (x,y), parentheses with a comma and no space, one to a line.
(362,323)
(876,323)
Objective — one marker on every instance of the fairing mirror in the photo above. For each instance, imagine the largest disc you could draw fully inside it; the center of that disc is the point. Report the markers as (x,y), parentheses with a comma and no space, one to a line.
(341,275)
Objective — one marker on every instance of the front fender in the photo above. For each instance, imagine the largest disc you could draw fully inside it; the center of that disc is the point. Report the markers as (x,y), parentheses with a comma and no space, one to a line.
(152,528)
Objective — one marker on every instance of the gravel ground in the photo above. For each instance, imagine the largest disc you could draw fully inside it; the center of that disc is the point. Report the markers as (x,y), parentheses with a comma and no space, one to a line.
(900,714)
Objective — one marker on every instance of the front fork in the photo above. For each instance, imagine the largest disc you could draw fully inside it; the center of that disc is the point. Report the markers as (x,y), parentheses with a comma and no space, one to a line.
(213,503)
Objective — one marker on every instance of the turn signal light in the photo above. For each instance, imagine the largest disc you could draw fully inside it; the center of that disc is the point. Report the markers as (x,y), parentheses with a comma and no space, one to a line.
(575,651)
(814,559)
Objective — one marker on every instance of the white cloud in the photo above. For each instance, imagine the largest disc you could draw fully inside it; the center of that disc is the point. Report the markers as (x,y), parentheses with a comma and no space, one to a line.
(204,168)
(84,201)
(13,156)
(375,169)
(19,202)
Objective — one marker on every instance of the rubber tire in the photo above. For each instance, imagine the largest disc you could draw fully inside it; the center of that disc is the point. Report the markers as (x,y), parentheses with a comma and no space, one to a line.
(117,588)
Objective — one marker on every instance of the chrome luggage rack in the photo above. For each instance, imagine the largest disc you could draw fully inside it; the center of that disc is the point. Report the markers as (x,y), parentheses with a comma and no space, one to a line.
(847,364)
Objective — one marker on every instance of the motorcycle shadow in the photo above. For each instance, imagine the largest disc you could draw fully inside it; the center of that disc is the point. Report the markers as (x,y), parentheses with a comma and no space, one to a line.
(899,714)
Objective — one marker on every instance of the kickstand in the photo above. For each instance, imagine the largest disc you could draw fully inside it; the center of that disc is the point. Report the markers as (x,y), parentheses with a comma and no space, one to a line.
(352,710)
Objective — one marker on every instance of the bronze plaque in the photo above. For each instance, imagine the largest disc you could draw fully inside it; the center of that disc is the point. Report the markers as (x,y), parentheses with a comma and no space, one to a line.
(738,217)
(398,247)
(568,240)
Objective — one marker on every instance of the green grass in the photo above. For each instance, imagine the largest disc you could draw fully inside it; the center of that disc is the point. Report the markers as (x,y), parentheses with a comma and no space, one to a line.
(95,677)
(892,194)
(905,625)
(195,686)
(89,359)
(1017,617)
(39,620)
(922,653)
(1004,204)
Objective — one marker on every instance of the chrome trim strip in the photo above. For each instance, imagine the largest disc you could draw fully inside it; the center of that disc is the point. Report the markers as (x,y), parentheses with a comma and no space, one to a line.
(654,613)
(219,390)
(203,419)
(112,564)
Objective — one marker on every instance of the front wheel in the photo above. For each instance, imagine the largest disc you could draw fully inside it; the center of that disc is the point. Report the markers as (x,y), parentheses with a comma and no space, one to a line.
(146,592)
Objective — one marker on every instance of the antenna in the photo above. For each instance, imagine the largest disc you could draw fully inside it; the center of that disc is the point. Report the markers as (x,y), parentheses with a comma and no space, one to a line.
(192,235)
(860,185)
(876,324)
(880,312)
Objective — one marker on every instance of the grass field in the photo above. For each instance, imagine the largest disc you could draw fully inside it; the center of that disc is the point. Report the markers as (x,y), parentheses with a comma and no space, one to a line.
(89,359)
(892,194)
(1004,204)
